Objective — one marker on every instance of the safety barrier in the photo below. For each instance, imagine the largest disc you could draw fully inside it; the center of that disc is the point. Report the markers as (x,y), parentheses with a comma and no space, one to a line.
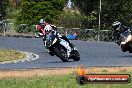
(82,34)
(89,34)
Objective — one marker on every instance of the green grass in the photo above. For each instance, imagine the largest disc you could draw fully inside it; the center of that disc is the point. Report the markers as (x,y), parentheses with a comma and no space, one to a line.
(67,81)
(9,55)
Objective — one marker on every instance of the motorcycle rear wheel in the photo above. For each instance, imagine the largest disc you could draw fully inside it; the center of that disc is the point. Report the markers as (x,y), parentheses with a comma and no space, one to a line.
(75,55)
(123,48)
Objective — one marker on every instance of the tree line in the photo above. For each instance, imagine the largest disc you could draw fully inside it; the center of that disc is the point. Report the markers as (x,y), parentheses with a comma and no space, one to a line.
(84,13)
(111,10)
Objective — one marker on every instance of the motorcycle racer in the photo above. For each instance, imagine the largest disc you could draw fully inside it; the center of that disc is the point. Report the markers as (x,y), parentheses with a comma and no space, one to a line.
(48,33)
(40,27)
(118,29)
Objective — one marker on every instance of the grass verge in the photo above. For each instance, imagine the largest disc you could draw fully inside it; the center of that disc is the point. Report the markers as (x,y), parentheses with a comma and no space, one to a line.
(9,55)
(61,81)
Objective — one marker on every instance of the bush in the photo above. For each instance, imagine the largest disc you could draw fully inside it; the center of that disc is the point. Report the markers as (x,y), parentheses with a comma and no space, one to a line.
(71,19)
(33,10)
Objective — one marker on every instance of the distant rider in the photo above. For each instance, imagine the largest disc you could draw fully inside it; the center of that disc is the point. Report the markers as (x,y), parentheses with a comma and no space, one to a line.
(118,29)
(40,27)
(46,31)
(49,32)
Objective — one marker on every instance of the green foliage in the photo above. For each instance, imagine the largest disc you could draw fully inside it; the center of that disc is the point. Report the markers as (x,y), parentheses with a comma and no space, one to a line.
(3,7)
(112,10)
(33,10)
(71,19)
(87,17)
(87,6)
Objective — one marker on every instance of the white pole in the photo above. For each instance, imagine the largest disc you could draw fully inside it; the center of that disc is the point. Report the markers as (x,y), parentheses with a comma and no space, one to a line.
(4,27)
(4,32)
(66,32)
(99,21)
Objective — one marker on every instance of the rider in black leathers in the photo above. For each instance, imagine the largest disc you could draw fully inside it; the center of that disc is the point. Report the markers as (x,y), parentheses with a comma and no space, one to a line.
(118,29)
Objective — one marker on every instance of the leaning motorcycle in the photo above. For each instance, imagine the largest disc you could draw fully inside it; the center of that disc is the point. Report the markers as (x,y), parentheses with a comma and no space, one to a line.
(60,46)
(63,48)
(126,41)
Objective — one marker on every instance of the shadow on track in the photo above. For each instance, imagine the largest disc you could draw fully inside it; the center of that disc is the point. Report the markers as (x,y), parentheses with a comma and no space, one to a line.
(60,62)
(43,52)
(125,56)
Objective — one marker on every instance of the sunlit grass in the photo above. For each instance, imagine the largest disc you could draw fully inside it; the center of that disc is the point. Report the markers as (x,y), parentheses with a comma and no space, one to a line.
(67,81)
(56,81)
(9,55)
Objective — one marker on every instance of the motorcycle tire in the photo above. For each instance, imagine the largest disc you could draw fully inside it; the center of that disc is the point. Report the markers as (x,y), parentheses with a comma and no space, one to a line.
(52,54)
(130,51)
(123,48)
(75,55)
(60,55)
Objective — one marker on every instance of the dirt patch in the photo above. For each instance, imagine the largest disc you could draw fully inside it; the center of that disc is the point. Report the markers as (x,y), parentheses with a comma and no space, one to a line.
(35,72)
(109,69)
(60,71)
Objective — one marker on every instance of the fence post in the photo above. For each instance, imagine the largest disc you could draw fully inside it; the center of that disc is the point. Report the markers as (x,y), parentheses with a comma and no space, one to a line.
(66,31)
(98,36)
(4,28)
(4,32)
(99,20)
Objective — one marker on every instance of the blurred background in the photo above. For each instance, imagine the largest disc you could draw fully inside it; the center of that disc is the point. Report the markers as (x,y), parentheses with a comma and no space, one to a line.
(90,19)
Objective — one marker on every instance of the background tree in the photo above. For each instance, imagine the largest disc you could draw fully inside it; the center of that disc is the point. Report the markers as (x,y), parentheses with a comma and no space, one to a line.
(3,7)
(33,10)
(112,10)
(87,6)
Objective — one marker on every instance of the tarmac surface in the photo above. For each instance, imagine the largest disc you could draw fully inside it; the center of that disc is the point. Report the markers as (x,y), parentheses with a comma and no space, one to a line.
(92,54)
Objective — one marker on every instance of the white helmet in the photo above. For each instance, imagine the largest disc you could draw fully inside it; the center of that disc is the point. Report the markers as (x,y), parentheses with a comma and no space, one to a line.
(116,25)
(42,21)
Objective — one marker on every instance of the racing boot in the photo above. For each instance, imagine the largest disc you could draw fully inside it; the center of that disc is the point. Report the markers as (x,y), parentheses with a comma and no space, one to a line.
(45,43)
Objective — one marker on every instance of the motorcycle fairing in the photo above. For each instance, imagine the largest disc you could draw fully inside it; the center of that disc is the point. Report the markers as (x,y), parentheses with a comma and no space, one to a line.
(66,45)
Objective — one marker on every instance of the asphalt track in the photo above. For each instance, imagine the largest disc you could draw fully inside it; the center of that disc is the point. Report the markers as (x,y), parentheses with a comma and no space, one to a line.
(92,54)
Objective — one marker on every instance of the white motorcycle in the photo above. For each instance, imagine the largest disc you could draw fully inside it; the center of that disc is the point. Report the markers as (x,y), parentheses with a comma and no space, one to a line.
(59,45)
(63,48)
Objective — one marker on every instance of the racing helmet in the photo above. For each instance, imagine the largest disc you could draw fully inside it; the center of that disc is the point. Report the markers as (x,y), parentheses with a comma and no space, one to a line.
(42,21)
(116,25)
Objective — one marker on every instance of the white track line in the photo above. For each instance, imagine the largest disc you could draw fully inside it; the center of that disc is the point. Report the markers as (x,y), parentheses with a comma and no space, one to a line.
(29,57)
